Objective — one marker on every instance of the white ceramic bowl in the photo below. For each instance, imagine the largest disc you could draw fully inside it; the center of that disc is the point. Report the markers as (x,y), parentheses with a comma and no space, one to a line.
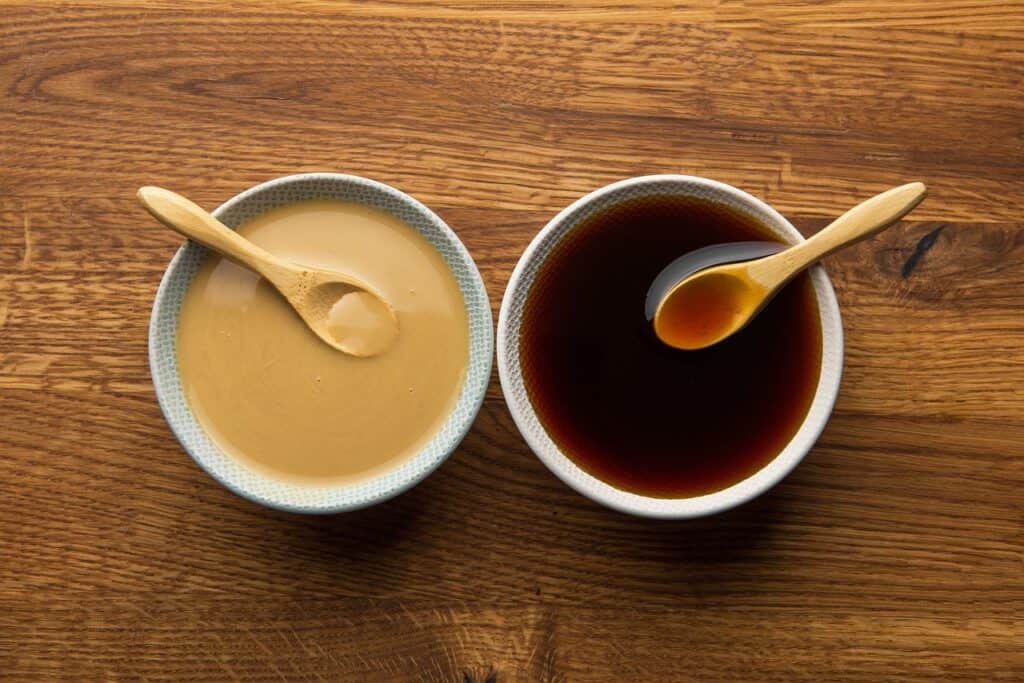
(254,485)
(536,436)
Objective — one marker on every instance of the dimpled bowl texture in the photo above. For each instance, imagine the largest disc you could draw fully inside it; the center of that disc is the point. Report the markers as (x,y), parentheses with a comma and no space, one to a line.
(310,498)
(510,319)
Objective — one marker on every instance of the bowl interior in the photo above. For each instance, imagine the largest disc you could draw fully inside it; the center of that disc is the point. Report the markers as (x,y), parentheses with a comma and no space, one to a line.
(309,498)
(526,418)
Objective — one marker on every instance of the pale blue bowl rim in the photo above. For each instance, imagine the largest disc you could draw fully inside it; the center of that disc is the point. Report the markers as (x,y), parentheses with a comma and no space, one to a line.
(474,385)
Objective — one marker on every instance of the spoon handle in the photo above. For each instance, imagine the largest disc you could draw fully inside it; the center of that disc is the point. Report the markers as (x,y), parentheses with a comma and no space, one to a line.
(189,219)
(862,221)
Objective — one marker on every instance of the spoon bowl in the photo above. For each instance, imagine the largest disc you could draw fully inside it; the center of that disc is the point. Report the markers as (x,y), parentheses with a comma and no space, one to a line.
(344,313)
(699,259)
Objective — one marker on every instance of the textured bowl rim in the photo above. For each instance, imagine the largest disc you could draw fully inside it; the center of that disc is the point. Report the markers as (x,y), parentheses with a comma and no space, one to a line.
(599,491)
(472,394)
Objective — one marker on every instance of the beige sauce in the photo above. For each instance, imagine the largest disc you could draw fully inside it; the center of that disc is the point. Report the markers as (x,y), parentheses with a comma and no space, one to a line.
(274,396)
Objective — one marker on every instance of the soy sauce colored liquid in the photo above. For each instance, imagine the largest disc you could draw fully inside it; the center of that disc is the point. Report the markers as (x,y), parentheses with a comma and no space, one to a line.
(630,410)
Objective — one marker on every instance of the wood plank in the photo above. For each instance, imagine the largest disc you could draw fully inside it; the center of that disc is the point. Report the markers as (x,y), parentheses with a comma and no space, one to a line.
(478,643)
(518,112)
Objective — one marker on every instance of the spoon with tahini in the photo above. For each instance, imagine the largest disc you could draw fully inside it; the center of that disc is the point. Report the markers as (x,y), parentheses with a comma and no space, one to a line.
(343,311)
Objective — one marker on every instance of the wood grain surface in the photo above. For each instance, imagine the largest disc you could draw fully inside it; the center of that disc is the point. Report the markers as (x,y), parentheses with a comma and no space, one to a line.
(893,553)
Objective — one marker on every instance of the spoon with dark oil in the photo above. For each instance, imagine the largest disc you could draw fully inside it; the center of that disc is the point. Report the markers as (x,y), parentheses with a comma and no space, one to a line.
(708,295)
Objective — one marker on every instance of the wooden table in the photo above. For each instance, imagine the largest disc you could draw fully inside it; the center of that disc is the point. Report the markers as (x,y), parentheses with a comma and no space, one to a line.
(893,552)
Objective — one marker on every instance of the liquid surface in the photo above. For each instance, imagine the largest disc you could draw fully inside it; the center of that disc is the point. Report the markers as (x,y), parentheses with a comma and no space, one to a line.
(276,397)
(629,409)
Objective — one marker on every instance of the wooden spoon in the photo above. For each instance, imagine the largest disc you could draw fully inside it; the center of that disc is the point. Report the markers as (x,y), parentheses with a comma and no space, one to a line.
(341,310)
(714,303)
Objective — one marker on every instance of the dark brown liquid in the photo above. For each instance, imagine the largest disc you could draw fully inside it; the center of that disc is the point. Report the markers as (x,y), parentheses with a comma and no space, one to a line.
(634,412)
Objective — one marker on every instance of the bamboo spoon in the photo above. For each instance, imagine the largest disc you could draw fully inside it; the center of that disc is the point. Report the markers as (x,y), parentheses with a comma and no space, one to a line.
(712,304)
(344,312)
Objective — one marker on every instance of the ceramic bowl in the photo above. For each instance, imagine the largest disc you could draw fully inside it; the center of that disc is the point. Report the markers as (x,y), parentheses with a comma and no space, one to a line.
(254,485)
(526,419)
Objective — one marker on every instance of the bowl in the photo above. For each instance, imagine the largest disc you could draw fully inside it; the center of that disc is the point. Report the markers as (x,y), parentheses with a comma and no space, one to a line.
(526,419)
(296,497)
